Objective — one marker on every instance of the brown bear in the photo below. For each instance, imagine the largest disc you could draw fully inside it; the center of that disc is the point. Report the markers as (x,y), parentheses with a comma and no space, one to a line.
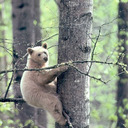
(38,87)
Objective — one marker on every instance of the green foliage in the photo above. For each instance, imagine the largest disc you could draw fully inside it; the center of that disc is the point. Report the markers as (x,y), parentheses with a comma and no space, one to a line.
(31,123)
(6,111)
(49,25)
(113,118)
(103,97)
(126,123)
(124,1)
(123,112)
(95,114)
(1,122)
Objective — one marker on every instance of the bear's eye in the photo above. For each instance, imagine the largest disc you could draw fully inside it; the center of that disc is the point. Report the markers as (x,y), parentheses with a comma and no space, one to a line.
(39,54)
(45,53)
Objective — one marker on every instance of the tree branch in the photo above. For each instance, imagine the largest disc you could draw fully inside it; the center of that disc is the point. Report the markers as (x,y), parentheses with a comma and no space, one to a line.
(86,74)
(12,100)
(93,51)
(46,39)
(70,63)
(67,63)
(9,85)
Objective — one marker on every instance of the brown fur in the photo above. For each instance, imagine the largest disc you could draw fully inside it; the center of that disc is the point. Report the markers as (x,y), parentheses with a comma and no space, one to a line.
(38,87)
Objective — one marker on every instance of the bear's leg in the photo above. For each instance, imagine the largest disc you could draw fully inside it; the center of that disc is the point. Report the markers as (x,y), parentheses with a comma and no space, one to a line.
(58,115)
(56,111)
(52,74)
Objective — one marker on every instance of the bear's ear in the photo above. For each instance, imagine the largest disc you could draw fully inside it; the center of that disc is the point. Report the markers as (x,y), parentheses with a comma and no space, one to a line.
(30,51)
(44,45)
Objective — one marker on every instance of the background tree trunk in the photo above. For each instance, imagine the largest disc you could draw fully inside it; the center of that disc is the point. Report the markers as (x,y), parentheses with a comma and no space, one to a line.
(74,44)
(3,58)
(122,90)
(40,114)
(37,13)
(24,36)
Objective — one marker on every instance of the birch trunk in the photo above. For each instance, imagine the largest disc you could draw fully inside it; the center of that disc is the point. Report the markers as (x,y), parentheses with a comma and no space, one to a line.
(74,44)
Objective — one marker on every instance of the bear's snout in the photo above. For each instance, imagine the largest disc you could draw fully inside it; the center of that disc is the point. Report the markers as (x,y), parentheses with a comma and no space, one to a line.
(45,59)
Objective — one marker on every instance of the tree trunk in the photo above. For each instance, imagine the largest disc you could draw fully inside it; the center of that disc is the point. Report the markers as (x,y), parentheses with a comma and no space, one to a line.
(122,90)
(37,12)
(40,114)
(74,44)
(3,59)
(24,36)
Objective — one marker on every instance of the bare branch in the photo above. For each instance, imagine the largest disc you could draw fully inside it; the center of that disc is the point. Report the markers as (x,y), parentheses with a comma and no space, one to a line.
(7,50)
(107,23)
(53,46)
(67,63)
(12,100)
(86,74)
(9,85)
(46,39)
(93,51)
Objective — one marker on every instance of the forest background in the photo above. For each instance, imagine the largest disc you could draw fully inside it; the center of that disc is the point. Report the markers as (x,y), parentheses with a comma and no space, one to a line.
(105,27)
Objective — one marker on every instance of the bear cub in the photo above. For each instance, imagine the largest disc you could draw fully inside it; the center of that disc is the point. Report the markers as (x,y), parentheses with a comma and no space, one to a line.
(38,88)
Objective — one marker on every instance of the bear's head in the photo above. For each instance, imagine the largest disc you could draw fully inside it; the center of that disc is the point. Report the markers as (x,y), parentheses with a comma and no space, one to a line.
(39,55)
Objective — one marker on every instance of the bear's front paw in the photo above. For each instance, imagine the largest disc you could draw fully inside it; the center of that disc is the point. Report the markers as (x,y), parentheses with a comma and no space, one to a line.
(63,122)
(64,68)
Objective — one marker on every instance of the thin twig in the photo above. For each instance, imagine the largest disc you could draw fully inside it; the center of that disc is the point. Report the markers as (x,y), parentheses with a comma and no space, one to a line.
(93,51)
(86,74)
(9,85)
(107,23)
(53,46)
(42,40)
(7,50)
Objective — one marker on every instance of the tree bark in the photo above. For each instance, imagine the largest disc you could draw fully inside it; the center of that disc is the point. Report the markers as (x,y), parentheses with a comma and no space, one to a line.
(40,114)
(75,44)
(37,13)
(122,90)
(23,14)
(3,58)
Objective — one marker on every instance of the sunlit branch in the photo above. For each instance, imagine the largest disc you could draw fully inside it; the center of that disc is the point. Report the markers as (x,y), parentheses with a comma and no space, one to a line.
(73,62)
